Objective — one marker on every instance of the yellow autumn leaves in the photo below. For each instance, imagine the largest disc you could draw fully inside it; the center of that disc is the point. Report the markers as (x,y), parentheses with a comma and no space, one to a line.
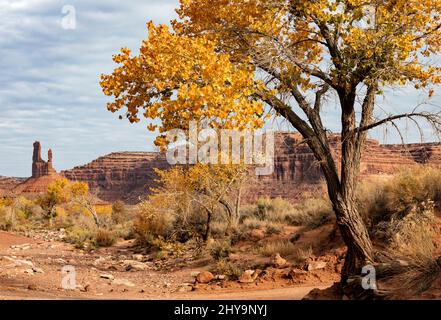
(207,66)
(180,78)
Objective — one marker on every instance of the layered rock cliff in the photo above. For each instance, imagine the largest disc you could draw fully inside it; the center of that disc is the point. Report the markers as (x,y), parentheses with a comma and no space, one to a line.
(121,175)
(129,175)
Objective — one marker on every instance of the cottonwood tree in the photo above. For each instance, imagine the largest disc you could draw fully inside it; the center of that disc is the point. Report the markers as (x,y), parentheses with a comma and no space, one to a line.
(227,61)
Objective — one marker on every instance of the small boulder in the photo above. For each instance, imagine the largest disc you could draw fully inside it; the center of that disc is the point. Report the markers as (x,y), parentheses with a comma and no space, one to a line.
(107,276)
(134,265)
(29,271)
(32,287)
(297,275)
(138,257)
(277,261)
(204,277)
(38,270)
(185,287)
(248,276)
(315,265)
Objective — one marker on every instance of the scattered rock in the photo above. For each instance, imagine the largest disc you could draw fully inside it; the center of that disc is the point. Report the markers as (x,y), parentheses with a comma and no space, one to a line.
(248,276)
(87,287)
(220,277)
(107,276)
(195,273)
(277,261)
(138,257)
(32,287)
(185,287)
(297,275)
(123,282)
(18,262)
(167,285)
(316,265)
(38,270)
(134,265)
(29,271)
(98,262)
(204,277)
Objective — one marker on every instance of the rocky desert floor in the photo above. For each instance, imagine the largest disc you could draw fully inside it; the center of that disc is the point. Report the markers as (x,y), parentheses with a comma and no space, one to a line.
(34,267)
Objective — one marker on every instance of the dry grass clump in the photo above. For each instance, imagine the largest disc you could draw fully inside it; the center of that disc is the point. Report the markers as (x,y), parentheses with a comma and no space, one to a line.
(104,238)
(283,247)
(301,255)
(152,223)
(228,268)
(219,249)
(310,212)
(400,215)
(381,200)
(400,211)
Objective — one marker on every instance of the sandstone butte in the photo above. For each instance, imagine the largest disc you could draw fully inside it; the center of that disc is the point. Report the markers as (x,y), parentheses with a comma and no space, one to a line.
(128,176)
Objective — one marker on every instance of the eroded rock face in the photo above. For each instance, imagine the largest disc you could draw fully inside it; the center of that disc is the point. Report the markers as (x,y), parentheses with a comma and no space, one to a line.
(40,167)
(128,176)
(123,176)
(9,183)
(43,174)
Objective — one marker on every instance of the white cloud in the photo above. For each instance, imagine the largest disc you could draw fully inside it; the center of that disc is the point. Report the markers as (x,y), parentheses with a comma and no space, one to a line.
(49,79)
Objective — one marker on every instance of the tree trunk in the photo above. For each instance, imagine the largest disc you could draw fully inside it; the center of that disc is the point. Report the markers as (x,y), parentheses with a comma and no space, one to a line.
(208,227)
(351,225)
(356,238)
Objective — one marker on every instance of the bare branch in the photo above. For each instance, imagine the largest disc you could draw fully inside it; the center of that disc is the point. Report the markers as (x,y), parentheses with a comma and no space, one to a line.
(433,118)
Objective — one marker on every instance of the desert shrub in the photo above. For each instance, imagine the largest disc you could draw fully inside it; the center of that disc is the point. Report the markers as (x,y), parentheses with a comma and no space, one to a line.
(273,209)
(125,230)
(412,234)
(104,238)
(301,255)
(14,217)
(89,238)
(119,211)
(273,228)
(81,237)
(219,249)
(384,200)
(152,223)
(228,268)
(253,223)
(310,212)
(8,220)
(283,247)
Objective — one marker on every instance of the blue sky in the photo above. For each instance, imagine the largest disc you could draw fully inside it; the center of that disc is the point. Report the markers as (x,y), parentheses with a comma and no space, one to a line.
(49,80)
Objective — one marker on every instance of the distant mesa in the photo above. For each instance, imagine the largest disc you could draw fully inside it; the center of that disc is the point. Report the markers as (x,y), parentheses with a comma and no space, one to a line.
(128,176)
